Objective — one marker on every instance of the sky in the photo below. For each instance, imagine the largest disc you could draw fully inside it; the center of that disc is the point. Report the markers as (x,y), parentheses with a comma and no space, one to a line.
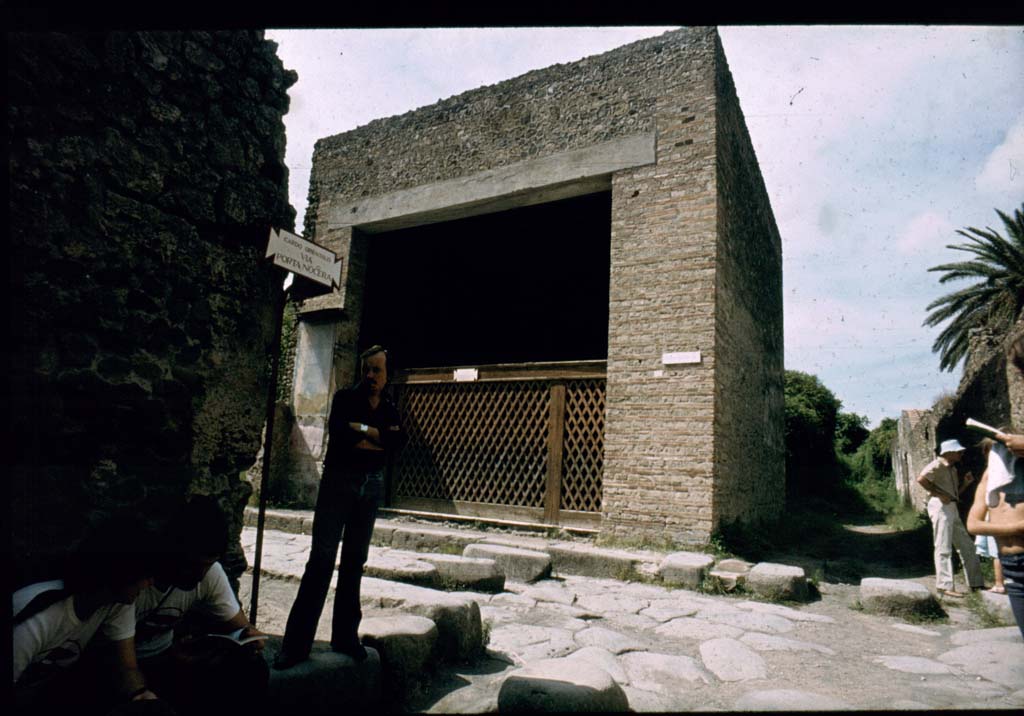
(876,144)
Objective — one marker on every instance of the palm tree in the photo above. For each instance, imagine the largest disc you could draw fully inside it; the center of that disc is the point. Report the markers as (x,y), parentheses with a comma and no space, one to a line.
(994,302)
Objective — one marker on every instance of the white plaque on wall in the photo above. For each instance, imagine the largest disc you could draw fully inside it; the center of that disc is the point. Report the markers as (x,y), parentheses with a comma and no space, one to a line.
(680,358)
(464,374)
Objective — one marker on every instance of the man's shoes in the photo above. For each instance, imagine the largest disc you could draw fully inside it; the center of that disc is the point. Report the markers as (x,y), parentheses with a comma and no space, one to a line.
(352,648)
(950,593)
(284,660)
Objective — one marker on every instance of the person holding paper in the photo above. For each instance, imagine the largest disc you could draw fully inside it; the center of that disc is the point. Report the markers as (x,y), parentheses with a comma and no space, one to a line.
(191,592)
(1000,496)
(940,479)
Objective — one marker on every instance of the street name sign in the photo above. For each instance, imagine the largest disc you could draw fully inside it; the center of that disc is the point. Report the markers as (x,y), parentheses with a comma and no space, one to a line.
(305,258)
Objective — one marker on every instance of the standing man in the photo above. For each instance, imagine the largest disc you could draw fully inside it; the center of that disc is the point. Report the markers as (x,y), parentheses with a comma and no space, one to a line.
(364,431)
(941,481)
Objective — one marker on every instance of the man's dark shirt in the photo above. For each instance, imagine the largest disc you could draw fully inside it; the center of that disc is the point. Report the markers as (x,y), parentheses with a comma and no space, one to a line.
(352,406)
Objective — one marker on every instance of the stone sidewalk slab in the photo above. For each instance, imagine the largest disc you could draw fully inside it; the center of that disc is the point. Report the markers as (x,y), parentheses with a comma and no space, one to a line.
(516,563)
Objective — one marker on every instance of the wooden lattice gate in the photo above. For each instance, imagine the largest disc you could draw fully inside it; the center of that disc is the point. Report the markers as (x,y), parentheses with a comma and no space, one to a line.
(519,442)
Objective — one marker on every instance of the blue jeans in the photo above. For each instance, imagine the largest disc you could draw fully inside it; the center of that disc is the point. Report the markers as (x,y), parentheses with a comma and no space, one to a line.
(1013,569)
(346,503)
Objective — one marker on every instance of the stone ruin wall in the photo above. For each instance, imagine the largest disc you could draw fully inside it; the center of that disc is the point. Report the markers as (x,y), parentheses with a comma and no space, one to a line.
(673,229)
(145,171)
(990,390)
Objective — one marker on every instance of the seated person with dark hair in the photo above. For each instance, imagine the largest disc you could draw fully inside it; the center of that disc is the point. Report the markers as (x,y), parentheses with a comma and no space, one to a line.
(191,589)
(73,638)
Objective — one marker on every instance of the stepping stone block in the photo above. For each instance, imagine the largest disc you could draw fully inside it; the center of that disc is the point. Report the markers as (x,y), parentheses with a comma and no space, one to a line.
(518,565)
(326,684)
(459,628)
(778,581)
(589,561)
(405,644)
(895,596)
(477,574)
(401,568)
(685,569)
(561,685)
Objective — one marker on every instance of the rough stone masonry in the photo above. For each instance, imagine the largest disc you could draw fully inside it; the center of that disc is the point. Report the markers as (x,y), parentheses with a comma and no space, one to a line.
(146,169)
(696,262)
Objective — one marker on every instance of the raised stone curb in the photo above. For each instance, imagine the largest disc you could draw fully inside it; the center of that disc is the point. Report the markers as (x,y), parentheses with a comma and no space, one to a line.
(777,581)
(405,644)
(326,684)
(425,539)
(685,569)
(473,573)
(520,565)
(561,685)
(459,628)
(590,561)
(730,573)
(895,596)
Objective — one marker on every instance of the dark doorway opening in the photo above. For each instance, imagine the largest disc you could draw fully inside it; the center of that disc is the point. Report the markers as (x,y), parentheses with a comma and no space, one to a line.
(524,285)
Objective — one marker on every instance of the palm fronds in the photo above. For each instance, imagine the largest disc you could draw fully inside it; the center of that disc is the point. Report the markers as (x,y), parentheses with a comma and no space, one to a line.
(994,302)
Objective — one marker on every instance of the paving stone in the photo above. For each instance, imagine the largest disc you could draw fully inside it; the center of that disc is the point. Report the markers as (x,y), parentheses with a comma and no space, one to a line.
(325,684)
(460,630)
(731,660)
(399,567)
(497,615)
(610,603)
(550,591)
(664,610)
(525,643)
(973,636)
(663,673)
(603,658)
(640,590)
(998,605)
(895,596)
(1001,662)
(697,629)
(511,599)
(383,532)
(427,539)
(559,685)
(516,564)
(777,581)
(788,700)
(914,665)
(405,644)
(571,611)
(676,702)
(771,642)
(567,558)
(630,623)
(685,569)
(607,639)
(748,621)
(546,617)
(912,629)
(787,612)
(474,573)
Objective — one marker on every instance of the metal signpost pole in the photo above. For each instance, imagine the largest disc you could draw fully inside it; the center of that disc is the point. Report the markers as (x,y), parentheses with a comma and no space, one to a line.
(298,256)
(268,441)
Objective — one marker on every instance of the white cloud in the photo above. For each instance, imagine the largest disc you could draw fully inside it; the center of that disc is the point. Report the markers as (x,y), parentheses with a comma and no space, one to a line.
(1004,168)
(929,230)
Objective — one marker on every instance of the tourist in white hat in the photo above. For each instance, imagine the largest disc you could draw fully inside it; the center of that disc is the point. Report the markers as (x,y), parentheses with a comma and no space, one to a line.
(940,479)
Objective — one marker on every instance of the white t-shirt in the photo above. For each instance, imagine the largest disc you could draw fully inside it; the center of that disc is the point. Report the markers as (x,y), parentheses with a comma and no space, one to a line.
(158,611)
(53,639)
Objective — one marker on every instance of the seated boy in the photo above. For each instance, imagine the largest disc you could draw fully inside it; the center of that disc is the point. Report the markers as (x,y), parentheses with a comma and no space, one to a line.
(191,590)
(73,643)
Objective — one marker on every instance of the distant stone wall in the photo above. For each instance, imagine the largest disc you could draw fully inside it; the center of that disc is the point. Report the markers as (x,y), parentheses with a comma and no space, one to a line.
(651,113)
(990,390)
(146,170)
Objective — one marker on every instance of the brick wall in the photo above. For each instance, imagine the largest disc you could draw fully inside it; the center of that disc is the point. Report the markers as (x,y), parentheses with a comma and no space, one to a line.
(674,230)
